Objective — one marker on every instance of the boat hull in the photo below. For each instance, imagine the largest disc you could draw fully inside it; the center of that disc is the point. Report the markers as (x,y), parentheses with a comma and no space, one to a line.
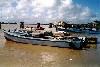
(39,41)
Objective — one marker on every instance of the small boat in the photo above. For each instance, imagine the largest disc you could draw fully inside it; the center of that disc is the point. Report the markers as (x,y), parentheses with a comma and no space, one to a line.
(79,31)
(39,38)
(94,32)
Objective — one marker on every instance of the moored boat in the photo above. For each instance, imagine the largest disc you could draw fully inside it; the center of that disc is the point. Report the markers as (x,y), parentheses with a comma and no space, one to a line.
(41,39)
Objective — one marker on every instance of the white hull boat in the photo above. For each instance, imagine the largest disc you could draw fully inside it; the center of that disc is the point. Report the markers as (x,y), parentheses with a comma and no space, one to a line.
(19,37)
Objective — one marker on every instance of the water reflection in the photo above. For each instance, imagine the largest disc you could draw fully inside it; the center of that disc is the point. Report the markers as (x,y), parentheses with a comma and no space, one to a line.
(2,40)
(2,45)
(47,59)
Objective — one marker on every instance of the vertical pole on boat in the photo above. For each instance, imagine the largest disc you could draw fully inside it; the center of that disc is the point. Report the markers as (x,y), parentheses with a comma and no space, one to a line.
(0,25)
(21,25)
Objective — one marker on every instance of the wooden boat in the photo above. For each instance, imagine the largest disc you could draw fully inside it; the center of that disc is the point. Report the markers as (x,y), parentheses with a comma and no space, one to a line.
(79,31)
(24,37)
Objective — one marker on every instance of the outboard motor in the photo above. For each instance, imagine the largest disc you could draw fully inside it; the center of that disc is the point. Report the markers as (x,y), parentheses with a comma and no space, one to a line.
(76,43)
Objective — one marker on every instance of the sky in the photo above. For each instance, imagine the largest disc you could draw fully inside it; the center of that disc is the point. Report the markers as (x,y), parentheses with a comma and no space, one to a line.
(94,5)
(46,11)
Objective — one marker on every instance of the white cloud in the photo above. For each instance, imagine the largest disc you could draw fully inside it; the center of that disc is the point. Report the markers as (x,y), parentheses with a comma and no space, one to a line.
(43,3)
(44,10)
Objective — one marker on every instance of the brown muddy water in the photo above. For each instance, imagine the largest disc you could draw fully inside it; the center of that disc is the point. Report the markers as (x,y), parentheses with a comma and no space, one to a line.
(14,54)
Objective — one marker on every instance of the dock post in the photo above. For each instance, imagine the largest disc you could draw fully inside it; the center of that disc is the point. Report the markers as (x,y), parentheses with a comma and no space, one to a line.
(50,25)
(0,25)
(22,25)
(38,25)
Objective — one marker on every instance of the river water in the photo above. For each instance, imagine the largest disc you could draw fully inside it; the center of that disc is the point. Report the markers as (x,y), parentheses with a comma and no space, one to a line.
(14,54)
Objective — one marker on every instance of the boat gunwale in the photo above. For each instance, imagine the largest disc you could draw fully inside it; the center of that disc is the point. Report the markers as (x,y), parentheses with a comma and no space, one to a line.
(39,39)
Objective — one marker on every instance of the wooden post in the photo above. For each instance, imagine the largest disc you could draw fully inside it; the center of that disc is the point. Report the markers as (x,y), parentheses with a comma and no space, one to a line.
(50,25)
(22,25)
(31,29)
(38,25)
(0,25)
